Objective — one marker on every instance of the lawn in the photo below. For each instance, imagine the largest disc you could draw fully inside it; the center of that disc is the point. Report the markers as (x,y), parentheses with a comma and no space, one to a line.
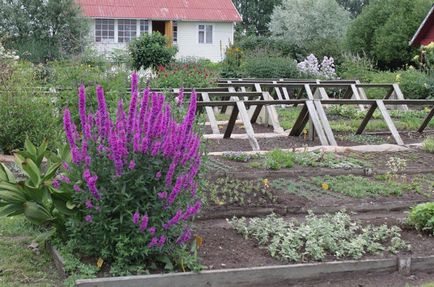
(19,265)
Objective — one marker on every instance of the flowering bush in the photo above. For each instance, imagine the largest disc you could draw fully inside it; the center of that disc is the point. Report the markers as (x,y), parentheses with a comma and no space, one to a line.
(312,68)
(187,74)
(134,180)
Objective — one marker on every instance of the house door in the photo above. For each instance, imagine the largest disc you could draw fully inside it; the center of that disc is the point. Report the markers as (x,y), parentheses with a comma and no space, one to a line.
(165,28)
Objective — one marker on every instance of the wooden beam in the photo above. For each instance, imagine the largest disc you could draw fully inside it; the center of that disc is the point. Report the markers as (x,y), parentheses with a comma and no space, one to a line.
(426,121)
(231,122)
(325,123)
(366,119)
(211,116)
(300,122)
(389,122)
(399,96)
(313,115)
(247,125)
(357,96)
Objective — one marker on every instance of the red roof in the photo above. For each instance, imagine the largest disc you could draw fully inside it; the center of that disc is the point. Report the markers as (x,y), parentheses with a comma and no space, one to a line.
(183,10)
(425,33)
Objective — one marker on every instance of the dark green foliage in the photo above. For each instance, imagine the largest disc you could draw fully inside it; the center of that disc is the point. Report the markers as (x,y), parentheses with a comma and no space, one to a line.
(270,45)
(263,66)
(277,159)
(151,51)
(422,217)
(385,27)
(43,30)
(255,14)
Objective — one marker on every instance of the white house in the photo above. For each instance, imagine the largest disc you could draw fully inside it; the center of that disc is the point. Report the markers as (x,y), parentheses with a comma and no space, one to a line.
(199,28)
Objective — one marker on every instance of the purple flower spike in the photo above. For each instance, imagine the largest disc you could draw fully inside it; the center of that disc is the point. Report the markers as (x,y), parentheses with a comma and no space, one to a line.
(76,188)
(89,204)
(132,165)
(82,106)
(56,184)
(144,223)
(136,217)
(88,218)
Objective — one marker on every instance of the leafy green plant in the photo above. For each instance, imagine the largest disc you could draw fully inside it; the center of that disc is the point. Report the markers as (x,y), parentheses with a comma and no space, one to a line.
(328,159)
(428,144)
(277,159)
(362,139)
(151,51)
(317,237)
(357,186)
(264,66)
(228,191)
(422,217)
(240,156)
(41,201)
(187,74)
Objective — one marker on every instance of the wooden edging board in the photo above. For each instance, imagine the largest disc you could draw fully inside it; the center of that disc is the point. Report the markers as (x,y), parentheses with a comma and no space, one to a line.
(268,275)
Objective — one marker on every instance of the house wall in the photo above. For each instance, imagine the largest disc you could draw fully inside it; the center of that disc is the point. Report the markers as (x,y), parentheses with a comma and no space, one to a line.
(188,40)
(429,37)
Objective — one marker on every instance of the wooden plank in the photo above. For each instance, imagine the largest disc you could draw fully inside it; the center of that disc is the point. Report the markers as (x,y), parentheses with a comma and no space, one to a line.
(231,122)
(211,116)
(389,93)
(280,275)
(357,96)
(300,122)
(399,96)
(366,119)
(347,93)
(247,125)
(286,93)
(313,115)
(389,122)
(361,91)
(325,123)
(272,114)
(308,91)
(426,121)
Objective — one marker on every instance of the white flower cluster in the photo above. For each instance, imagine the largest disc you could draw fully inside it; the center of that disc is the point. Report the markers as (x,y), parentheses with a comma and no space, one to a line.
(311,66)
(7,55)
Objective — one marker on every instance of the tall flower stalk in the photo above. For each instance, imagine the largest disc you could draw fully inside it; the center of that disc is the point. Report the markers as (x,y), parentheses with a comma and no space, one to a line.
(141,165)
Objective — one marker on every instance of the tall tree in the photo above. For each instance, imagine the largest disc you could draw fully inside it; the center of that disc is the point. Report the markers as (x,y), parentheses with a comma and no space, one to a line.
(385,27)
(256,15)
(317,26)
(42,30)
(353,6)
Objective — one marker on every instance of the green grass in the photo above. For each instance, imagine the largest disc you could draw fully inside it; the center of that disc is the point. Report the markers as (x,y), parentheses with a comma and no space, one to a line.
(359,187)
(20,266)
(428,145)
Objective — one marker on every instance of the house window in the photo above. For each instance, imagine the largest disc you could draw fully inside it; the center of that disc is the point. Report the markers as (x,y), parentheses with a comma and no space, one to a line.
(205,34)
(175,32)
(127,30)
(104,30)
(144,27)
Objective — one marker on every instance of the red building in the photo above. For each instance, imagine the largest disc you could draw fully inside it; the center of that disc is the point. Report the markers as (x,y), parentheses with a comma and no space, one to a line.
(425,34)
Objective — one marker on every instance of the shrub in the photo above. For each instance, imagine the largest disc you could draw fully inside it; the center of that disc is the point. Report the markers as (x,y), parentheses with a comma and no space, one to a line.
(428,145)
(269,45)
(310,67)
(415,84)
(188,74)
(135,182)
(422,217)
(231,67)
(270,67)
(355,67)
(151,51)
(384,28)
(277,159)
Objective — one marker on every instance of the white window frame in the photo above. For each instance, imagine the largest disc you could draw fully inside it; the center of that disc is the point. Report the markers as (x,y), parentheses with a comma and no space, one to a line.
(175,32)
(128,34)
(144,23)
(204,30)
(105,27)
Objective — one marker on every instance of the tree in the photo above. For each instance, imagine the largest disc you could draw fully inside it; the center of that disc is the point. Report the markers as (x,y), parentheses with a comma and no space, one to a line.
(42,30)
(353,6)
(151,51)
(318,26)
(384,28)
(256,15)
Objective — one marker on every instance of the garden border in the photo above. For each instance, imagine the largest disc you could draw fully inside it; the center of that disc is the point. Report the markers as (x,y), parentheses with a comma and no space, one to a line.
(261,276)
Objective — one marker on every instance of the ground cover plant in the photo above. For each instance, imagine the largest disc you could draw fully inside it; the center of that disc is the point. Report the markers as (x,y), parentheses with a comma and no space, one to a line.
(422,217)
(317,237)
(228,191)
(428,145)
(134,182)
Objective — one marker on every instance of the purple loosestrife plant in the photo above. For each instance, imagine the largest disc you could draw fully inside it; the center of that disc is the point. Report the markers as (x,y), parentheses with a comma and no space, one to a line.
(134,177)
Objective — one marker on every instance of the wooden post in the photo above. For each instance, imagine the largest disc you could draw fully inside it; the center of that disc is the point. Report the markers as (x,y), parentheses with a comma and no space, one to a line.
(389,122)
(366,119)
(426,121)
(356,96)
(211,115)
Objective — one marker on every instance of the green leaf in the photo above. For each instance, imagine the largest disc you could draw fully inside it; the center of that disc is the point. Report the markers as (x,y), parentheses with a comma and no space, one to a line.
(41,152)
(30,147)
(11,209)
(70,205)
(32,170)
(6,174)
(12,197)
(35,193)
(36,213)
(62,206)
(10,186)
(51,171)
